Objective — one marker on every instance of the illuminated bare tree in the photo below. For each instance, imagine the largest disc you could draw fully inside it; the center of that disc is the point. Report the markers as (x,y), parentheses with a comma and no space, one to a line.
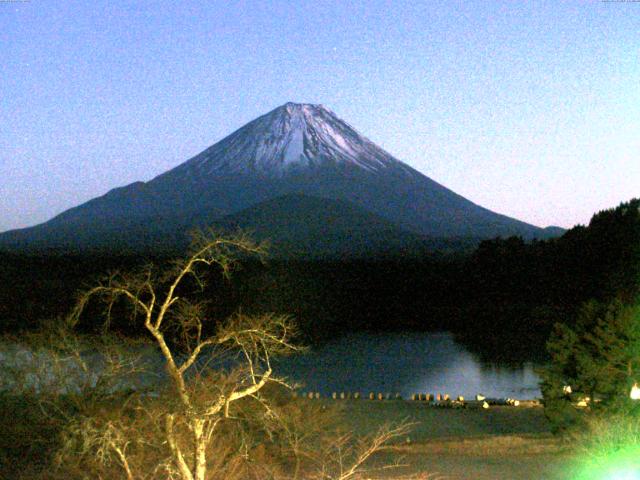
(213,416)
(177,326)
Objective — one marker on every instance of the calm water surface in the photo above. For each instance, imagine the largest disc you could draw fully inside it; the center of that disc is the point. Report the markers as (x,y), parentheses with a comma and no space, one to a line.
(407,363)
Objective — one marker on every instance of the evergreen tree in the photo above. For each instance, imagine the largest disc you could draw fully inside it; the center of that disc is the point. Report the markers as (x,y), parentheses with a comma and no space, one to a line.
(593,364)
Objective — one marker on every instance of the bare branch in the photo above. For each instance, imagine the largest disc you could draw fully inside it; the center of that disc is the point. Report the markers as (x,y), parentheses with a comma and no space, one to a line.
(194,354)
(376,444)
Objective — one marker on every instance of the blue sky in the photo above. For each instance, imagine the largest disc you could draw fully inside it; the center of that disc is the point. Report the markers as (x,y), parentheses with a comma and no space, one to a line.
(531,109)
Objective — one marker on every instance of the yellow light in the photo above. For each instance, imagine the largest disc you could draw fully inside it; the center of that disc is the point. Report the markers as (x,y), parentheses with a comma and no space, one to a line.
(635,392)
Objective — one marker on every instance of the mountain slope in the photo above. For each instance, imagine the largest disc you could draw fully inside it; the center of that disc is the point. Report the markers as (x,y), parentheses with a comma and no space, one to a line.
(300,225)
(294,149)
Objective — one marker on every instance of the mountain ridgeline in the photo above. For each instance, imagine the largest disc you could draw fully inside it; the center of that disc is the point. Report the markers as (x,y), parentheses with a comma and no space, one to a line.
(298,176)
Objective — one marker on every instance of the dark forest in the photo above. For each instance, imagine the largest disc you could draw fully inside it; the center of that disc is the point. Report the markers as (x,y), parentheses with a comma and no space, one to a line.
(503,292)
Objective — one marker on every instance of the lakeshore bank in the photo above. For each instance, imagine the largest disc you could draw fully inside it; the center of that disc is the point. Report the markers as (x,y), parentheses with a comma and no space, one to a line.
(501,442)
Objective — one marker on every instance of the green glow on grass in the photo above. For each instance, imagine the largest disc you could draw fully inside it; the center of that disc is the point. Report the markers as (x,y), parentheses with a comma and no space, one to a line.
(621,464)
(625,475)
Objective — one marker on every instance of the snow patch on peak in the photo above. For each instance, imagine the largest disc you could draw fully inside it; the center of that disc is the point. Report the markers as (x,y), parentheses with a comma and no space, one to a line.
(293,135)
(294,150)
(292,106)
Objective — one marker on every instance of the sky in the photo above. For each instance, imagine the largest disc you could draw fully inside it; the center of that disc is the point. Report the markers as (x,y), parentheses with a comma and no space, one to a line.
(530,109)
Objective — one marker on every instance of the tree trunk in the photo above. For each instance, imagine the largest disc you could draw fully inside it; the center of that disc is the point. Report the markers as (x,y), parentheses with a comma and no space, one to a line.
(200,448)
(183,468)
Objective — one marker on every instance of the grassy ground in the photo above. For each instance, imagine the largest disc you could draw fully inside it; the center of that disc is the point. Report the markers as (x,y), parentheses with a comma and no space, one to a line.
(498,443)
(434,423)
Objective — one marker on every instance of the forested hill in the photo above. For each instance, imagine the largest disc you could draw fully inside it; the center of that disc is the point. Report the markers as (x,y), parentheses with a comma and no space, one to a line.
(599,261)
(519,290)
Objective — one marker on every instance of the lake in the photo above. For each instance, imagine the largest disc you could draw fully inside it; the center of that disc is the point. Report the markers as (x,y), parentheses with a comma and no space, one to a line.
(406,363)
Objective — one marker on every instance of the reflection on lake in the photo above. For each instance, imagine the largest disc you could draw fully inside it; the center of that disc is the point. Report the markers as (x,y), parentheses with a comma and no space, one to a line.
(406,363)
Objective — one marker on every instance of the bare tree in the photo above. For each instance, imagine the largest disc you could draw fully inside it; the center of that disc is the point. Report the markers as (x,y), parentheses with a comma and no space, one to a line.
(313,434)
(178,328)
(214,411)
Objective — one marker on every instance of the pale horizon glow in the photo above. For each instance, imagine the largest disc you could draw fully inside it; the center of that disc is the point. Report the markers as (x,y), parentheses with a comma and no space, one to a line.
(530,109)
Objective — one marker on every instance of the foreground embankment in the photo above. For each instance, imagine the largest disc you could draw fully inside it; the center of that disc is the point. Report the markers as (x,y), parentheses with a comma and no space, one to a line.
(501,442)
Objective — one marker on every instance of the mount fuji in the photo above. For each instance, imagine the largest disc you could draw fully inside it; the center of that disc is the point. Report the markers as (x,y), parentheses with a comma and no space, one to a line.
(298,175)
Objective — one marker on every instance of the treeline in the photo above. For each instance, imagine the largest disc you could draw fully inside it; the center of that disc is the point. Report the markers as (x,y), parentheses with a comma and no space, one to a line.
(502,300)
(518,291)
(35,288)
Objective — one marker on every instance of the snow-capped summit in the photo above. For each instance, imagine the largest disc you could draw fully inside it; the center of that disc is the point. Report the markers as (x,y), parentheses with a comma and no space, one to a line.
(297,173)
(294,136)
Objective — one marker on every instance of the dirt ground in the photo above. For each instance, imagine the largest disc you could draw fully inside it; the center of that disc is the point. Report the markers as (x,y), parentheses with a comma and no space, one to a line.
(513,443)
(492,457)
